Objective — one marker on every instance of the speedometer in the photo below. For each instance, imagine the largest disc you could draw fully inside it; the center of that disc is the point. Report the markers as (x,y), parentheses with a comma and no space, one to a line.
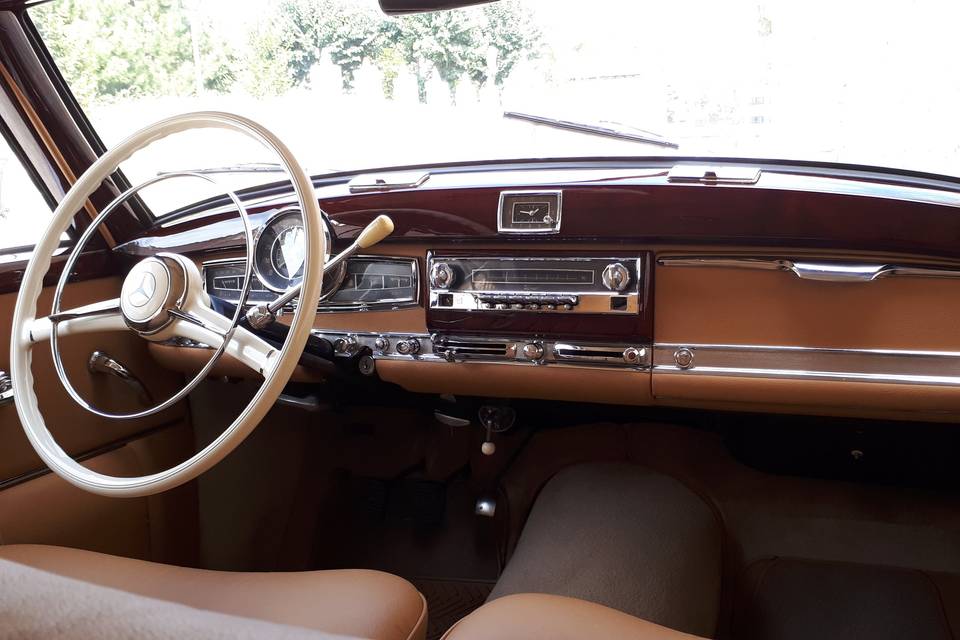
(280,253)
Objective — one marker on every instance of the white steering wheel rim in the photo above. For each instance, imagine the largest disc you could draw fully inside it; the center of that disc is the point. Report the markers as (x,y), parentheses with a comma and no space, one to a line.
(275,378)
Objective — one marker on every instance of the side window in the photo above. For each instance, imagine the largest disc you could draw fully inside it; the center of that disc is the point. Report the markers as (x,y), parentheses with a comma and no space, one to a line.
(24,214)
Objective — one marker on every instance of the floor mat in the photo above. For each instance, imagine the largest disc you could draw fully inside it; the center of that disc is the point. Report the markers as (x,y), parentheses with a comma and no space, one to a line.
(450,600)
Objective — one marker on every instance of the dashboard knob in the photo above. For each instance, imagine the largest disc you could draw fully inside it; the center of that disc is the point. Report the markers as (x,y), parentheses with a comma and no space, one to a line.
(683,357)
(442,276)
(381,344)
(408,347)
(632,355)
(346,346)
(532,351)
(616,277)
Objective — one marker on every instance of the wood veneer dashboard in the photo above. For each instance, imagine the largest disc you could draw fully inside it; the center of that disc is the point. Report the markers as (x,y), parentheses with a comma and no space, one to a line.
(736,313)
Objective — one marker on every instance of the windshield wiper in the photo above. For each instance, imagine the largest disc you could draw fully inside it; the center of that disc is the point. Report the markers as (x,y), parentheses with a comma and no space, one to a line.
(615,130)
(246,167)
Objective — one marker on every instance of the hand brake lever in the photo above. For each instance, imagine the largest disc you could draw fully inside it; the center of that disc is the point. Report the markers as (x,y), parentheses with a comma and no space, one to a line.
(263,315)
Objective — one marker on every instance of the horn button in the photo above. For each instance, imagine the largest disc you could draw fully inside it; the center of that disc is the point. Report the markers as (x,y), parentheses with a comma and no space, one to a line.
(152,288)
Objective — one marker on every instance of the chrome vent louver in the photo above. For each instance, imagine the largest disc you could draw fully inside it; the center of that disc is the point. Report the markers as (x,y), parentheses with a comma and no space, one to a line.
(599,354)
(458,348)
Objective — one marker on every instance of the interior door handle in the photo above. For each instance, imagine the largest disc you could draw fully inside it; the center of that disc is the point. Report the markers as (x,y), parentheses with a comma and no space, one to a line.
(6,388)
(102,362)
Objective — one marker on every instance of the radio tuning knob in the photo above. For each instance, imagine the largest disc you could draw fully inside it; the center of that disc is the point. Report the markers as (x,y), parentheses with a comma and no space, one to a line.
(616,277)
(442,276)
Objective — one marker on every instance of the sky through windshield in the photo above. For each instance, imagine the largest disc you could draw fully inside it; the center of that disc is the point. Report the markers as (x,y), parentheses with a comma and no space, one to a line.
(348,88)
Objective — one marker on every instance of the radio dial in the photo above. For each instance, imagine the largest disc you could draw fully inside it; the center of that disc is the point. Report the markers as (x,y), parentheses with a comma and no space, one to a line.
(616,277)
(442,276)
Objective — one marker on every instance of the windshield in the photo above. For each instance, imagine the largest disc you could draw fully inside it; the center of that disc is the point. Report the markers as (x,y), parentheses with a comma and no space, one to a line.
(349,88)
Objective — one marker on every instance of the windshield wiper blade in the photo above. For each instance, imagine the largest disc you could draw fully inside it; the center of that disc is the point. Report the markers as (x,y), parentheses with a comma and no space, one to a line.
(620,132)
(247,167)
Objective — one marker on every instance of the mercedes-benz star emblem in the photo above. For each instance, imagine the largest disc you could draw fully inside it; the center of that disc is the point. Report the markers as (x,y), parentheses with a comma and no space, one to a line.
(142,294)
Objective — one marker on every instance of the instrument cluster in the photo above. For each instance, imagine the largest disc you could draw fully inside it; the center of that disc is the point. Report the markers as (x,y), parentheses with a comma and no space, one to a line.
(358,283)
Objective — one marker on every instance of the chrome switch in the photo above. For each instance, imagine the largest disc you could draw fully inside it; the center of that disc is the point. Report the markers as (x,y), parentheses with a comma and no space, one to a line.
(408,347)
(532,351)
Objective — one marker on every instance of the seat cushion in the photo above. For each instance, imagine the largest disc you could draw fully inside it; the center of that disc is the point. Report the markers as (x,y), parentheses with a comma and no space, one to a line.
(39,604)
(365,604)
(531,616)
(795,599)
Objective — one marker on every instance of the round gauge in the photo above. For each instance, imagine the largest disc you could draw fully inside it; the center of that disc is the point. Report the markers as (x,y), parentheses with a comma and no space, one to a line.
(280,253)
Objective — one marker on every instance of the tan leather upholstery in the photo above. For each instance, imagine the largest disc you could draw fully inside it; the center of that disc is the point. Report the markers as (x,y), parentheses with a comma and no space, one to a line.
(366,604)
(532,616)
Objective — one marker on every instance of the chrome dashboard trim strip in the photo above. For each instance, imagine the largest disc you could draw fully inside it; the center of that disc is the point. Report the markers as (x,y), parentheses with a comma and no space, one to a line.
(487,349)
(823,270)
(941,368)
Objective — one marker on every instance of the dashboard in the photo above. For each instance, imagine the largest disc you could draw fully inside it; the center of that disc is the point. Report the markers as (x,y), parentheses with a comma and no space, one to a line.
(620,285)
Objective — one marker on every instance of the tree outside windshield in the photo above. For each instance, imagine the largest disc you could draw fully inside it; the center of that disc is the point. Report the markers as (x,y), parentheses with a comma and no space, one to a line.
(349,88)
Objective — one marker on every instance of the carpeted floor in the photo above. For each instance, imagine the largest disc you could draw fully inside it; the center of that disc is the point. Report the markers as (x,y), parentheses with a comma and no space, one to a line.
(450,600)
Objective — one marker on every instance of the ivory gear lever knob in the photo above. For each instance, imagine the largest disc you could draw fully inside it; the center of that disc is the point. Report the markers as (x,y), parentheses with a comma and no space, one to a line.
(374,232)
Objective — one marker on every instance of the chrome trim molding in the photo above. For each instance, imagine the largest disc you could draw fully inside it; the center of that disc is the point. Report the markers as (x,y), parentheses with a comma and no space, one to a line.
(824,270)
(941,368)
(448,348)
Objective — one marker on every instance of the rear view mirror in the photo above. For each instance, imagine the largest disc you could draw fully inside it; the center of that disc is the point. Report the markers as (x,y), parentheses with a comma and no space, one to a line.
(400,7)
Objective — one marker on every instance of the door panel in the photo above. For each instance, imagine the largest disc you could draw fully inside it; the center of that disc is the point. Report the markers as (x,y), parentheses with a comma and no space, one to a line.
(37,506)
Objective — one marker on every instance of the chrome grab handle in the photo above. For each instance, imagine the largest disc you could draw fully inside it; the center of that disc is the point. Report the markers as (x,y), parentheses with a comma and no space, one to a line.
(835,272)
(101,362)
(822,271)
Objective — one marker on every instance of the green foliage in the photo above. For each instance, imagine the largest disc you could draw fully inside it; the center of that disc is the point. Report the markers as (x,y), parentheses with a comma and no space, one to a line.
(115,49)
(448,39)
(111,49)
(306,29)
(457,43)
(512,32)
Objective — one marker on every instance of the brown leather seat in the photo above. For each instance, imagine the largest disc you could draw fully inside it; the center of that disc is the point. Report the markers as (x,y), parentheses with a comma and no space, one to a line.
(363,604)
(534,616)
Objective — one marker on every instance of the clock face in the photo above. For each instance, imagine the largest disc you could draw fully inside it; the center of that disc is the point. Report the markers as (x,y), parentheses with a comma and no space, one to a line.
(532,213)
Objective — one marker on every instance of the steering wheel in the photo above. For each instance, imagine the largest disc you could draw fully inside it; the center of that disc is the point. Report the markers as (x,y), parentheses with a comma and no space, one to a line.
(162,297)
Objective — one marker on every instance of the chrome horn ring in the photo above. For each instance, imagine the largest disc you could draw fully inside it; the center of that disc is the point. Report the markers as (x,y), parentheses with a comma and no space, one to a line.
(141,298)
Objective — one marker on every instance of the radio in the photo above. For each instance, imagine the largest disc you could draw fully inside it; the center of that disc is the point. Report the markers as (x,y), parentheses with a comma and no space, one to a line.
(536,284)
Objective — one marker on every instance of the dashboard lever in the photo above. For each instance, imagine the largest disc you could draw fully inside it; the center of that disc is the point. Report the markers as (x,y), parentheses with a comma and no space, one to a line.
(308,403)
(449,420)
(263,315)
(101,362)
